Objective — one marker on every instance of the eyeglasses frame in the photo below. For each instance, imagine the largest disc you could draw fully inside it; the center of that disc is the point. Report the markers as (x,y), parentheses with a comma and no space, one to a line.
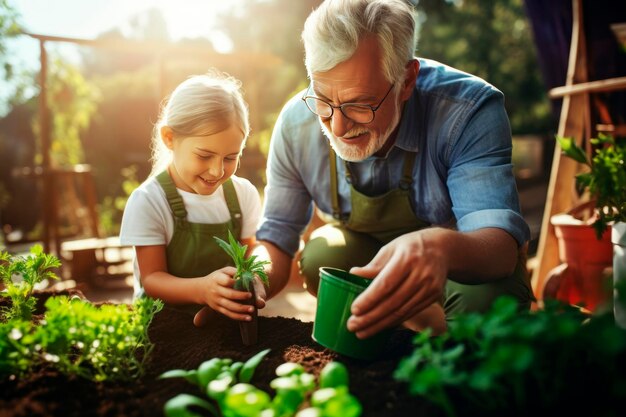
(341,106)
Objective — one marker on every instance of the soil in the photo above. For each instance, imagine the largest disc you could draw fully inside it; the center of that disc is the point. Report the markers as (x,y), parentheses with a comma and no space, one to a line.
(180,345)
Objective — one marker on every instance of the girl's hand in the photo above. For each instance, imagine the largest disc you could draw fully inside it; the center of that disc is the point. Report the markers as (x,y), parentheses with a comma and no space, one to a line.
(221,297)
(261,293)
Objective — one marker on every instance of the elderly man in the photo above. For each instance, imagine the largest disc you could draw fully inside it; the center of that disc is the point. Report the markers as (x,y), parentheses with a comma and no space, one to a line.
(408,160)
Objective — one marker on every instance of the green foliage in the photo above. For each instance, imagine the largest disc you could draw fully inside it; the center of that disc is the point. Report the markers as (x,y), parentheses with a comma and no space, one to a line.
(72,101)
(606,178)
(491,39)
(105,343)
(232,395)
(20,274)
(519,361)
(111,209)
(247,267)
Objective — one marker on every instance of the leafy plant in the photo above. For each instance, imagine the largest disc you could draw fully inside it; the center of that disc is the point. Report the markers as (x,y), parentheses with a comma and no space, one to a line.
(214,377)
(519,362)
(606,178)
(231,395)
(20,274)
(247,267)
(101,343)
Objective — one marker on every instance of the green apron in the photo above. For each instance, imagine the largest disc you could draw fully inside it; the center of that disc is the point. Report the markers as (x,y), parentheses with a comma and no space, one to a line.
(192,251)
(353,240)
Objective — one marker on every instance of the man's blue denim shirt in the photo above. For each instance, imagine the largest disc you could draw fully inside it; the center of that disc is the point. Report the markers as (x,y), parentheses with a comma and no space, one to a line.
(455,122)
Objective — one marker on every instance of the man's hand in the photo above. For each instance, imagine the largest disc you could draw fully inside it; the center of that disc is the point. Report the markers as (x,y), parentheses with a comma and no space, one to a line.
(410,274)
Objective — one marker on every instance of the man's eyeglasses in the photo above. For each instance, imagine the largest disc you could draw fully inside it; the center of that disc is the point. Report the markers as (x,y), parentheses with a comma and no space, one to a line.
(359,113)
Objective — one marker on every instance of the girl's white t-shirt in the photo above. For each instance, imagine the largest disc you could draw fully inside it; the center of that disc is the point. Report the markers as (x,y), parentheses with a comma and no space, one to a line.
(148,219)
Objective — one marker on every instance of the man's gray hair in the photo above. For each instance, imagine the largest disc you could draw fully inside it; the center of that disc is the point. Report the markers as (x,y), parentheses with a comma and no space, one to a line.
(332,33)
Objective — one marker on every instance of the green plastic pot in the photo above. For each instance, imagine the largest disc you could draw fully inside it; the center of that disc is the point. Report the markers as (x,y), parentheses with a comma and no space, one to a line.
(337,290)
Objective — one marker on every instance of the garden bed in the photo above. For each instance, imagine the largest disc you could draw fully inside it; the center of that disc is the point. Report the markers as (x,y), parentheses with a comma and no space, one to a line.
(180,345)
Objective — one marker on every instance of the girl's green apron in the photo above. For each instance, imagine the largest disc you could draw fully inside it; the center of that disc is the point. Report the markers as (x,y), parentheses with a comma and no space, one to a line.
(192,251)
(355,239)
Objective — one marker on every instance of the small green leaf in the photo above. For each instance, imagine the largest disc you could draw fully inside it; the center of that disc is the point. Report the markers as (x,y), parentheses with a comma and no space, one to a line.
(572,150)
(289,368)
(247,371)
(334,375)
(207,372)
(179,406)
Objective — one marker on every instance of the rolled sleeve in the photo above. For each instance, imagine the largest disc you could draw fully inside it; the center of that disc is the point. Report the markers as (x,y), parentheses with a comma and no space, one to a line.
(505,219)
(480,180)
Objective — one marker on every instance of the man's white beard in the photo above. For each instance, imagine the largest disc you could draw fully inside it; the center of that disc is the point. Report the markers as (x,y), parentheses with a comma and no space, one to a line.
(353,153)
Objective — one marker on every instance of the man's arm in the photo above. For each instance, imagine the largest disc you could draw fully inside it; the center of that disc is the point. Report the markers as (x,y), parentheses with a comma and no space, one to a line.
(411,273)
(278,270)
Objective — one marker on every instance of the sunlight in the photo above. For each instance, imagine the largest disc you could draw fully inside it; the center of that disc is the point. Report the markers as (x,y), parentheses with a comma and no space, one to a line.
(88,19)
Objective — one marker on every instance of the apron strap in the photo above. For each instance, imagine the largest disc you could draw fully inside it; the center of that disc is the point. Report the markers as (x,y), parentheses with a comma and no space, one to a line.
(173,198)
(334,187)
(407,170)
(230,195)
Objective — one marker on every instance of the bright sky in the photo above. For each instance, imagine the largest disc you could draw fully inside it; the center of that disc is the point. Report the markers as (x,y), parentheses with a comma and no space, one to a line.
(89,18)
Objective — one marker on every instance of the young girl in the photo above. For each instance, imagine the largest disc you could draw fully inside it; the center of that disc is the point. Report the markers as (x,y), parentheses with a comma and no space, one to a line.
(191,196)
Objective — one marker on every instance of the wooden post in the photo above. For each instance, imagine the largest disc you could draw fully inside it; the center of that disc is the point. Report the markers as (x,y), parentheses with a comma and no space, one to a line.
(48,205)
(575,123)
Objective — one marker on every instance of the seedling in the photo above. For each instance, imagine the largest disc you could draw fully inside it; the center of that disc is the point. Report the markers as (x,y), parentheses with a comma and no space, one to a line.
(248,268)
(234,396)
(214,377)
(20,274)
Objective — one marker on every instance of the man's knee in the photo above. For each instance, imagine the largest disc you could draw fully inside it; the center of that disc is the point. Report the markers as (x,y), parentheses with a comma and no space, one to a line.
(331,246)
(461,298)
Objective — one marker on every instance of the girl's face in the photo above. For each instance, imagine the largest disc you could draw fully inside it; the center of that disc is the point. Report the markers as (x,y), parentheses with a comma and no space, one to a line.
(200,164)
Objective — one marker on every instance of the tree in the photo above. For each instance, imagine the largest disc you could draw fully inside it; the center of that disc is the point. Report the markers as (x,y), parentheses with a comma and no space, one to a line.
(491,39)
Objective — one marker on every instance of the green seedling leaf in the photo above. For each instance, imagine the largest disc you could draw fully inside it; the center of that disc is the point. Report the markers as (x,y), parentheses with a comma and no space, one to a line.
(248,368)
(179,406)
(289,368)
(247,268)
(310,412)
(190,376)
(288,401)
(285,383)
(334,375)
(207,372)
(218,387)
(235,367)
(245,400)
(343,406)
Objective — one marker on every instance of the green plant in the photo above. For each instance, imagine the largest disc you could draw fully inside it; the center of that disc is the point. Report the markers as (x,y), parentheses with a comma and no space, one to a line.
(507,361)
(101,343)
(606,178)
(247,267)
(20,274)
(231,395)
(213,377)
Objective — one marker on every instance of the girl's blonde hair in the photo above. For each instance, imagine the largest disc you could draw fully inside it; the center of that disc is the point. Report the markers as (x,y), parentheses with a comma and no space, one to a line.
(202,105)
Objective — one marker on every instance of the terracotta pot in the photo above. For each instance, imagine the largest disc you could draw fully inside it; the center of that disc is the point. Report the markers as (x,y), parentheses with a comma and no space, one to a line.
(582,278)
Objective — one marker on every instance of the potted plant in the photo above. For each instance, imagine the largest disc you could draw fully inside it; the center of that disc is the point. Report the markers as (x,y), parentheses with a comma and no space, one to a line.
(247,269)
(606,182)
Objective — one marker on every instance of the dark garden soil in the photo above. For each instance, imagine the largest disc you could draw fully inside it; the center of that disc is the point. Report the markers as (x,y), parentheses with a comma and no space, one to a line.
(180,345)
